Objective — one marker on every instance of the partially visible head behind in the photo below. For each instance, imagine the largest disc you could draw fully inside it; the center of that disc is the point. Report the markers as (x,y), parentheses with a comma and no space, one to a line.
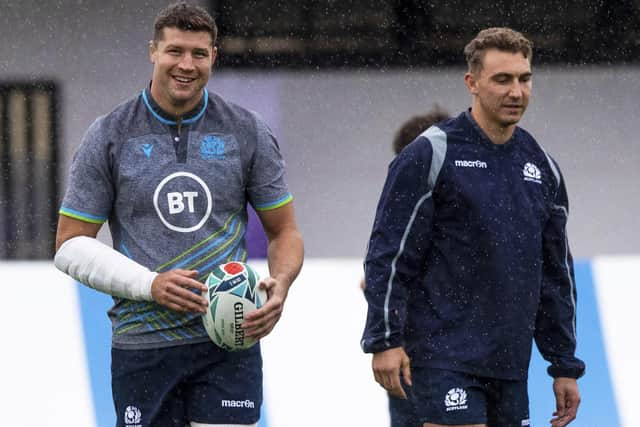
(184,17)
(500,38)
(413,127)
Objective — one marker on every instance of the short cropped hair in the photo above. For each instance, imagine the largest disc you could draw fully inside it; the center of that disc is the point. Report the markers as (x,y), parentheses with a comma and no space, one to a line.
(500,38)
(413,127)
(184,17)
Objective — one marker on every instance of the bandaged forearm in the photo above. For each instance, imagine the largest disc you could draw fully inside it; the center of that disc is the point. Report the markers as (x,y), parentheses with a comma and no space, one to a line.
(103,268)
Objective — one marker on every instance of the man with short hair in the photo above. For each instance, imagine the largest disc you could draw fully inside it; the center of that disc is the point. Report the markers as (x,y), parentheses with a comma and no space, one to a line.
(172,170)
(468,260)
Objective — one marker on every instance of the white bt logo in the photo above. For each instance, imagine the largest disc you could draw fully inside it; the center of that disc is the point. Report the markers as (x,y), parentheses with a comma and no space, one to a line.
(456,399)
(176,201)
(187,210)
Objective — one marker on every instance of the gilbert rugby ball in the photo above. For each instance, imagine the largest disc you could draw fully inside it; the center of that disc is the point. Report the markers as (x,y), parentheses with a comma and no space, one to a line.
(233,293)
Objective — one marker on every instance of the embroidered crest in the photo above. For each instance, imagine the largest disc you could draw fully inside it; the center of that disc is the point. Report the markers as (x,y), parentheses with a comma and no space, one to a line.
(212,147)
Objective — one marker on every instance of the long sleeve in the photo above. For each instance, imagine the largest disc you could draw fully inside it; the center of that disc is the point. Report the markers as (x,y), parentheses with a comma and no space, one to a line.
(555,332)
(399,243)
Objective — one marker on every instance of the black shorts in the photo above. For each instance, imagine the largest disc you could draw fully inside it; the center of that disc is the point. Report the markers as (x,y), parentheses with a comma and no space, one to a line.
(446,397)
(402,413)
(195,382)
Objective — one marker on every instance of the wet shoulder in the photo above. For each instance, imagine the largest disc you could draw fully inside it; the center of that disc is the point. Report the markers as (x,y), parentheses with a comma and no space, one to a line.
(231,115)
(125,120)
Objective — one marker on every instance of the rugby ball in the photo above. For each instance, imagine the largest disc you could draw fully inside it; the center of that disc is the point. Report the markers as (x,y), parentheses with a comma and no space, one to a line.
(233,293)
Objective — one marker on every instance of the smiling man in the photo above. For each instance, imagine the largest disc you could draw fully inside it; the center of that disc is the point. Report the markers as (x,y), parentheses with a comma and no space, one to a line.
(172,171)
(468,261)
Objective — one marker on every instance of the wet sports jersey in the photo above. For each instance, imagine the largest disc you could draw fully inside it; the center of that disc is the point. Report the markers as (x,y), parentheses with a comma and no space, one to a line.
(174,192)
(468,259)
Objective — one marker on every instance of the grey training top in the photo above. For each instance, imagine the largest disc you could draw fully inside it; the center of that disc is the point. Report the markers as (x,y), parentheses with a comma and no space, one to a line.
(174,191)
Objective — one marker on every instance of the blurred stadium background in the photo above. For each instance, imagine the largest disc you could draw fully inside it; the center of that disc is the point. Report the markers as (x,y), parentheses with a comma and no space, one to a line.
(334,79)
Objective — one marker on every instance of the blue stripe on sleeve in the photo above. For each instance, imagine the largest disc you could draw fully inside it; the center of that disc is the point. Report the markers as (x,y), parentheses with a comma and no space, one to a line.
(275,204)
(82,215)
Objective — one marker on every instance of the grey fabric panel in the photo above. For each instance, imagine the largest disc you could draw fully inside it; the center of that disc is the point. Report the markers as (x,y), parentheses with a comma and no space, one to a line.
(438,141)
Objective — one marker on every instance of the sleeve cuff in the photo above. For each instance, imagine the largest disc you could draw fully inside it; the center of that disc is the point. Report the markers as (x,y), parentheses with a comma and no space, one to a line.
(378,344)
(567,372)
(287,198)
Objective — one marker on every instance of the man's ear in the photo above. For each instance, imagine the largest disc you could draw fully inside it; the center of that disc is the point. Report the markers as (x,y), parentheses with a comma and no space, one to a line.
(153,48)
(471,83)
(214,55)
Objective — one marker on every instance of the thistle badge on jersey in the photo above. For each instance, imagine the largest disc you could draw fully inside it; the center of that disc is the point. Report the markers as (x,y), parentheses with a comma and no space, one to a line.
(212,147)
(531,173)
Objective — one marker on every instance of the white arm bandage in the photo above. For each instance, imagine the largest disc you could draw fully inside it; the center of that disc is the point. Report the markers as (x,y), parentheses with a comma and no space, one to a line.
(103,268)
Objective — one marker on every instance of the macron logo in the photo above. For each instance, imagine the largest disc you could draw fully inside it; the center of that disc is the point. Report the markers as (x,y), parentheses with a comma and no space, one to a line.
(237,403)
(146,149)
(471,164)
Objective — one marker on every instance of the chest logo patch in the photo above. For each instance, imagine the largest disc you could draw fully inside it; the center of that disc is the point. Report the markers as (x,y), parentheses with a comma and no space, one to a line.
(532,173)
(212,147)
(183,202)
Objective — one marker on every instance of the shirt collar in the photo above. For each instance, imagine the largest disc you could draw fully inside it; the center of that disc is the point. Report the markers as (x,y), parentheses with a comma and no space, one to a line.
(483,136)
(170,119)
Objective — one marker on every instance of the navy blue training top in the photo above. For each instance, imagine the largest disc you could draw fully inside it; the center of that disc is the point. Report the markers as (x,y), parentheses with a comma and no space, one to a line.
(468,260)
